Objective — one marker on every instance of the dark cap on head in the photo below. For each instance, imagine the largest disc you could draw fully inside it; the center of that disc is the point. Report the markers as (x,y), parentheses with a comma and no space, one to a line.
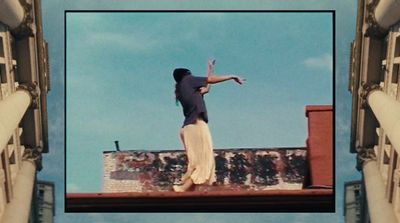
(179,73)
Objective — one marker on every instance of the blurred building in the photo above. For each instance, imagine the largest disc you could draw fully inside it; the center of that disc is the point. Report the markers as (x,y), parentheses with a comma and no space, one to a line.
(375,121)
(24,77)
(354,208)
(45,202)
(248,179)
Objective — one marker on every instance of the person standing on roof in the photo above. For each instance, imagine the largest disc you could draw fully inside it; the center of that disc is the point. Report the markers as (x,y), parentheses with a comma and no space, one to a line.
(195,134)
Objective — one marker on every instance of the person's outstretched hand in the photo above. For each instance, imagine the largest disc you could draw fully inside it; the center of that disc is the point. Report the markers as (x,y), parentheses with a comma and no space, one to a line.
(238,79)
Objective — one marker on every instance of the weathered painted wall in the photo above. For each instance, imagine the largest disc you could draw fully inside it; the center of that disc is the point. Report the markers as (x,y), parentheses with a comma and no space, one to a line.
(236,169)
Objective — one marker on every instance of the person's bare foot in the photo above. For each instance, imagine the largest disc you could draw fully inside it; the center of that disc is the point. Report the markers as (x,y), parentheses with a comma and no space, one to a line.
(186,185)
(178,188)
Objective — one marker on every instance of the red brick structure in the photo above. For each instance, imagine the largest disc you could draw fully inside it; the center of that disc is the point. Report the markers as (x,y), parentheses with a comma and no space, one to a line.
(320,145)
(316,195)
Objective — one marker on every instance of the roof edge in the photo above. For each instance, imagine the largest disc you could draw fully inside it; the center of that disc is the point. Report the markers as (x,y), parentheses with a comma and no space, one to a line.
(215,149)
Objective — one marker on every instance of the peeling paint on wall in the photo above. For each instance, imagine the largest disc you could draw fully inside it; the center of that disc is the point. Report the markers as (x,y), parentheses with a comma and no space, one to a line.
(236,169)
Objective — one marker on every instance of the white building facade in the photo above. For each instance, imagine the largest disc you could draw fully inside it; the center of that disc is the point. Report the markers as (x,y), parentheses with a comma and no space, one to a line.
(24,81)
(374,81)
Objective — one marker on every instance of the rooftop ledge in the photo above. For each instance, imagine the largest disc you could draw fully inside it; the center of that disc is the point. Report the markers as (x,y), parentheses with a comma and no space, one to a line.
(305,200)
(248,179)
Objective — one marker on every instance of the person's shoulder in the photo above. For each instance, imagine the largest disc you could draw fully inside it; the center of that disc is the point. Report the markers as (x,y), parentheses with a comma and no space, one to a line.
(193,80)
(186,78)
(198,78)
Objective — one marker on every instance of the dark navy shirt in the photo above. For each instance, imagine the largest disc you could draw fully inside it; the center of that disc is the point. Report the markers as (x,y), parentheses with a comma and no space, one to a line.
(191,100)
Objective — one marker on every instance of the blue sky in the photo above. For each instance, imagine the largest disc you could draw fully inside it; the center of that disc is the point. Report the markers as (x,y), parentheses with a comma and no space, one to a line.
(120,86)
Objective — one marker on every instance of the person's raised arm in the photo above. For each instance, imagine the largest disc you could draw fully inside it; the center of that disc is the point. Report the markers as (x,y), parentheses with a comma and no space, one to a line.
(213,79)
(210,71)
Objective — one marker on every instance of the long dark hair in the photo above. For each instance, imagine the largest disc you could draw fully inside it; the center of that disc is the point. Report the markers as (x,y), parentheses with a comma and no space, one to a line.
(178,74)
